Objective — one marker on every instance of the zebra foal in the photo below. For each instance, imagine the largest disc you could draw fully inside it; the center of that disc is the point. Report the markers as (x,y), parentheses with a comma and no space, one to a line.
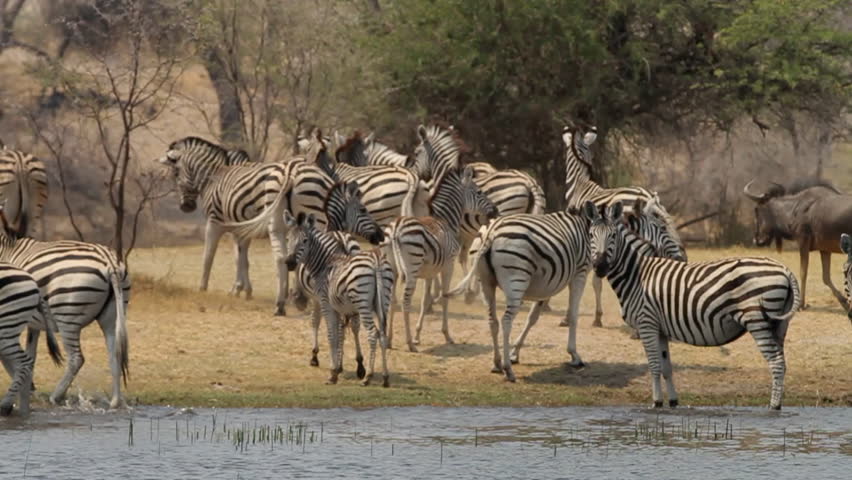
(703,304)
(358,285)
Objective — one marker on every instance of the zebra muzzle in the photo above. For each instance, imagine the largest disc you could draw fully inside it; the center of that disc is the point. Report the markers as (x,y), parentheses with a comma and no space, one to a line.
(601,268)
(187,206)
(377,237)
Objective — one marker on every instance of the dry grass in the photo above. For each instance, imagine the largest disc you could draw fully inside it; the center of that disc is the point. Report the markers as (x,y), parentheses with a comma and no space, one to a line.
(191,348)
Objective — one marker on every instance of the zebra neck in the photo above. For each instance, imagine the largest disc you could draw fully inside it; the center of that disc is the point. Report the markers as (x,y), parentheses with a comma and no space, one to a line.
(446,205)
(630,251)
(320,252)
(579,185)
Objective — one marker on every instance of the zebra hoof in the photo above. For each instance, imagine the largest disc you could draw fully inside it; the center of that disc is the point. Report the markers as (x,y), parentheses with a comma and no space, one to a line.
(510,376)
(280,311)
(5,410)
(385,381)
(658,404)
(412,348)
(775,407)
(579,364)
(673,403)
(565,323)
(514,360)
(314,362)
(366,381)
(360,371)
(496,369)
(597,324)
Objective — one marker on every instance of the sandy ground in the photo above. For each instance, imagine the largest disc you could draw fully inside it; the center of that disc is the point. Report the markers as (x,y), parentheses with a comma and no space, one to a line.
(192,348)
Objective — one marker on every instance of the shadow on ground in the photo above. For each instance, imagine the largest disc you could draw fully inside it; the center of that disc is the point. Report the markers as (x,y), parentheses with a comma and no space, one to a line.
(461,350)
(612,375)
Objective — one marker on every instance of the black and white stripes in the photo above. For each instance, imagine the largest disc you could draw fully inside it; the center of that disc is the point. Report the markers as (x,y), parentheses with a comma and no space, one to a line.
(703,304)
(23,189)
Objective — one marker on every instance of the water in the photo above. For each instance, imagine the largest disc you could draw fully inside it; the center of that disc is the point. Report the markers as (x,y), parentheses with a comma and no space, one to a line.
(420,442)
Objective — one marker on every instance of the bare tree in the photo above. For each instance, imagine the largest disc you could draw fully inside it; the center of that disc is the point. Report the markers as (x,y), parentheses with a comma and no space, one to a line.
(123,89)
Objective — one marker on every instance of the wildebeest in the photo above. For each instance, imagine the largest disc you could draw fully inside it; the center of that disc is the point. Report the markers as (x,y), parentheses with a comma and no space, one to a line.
(813,213)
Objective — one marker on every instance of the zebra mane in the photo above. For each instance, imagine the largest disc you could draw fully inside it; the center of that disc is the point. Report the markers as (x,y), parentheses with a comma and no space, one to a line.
(630,228)
(232,157)
(352,142)
(444,140)
(377,149)
(580,150)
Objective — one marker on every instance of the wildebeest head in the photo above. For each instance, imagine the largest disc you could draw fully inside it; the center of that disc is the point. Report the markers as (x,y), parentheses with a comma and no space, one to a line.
(767,225)
(846,247)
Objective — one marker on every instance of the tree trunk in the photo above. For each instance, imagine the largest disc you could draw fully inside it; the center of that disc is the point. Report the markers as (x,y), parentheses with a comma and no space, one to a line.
(229,116)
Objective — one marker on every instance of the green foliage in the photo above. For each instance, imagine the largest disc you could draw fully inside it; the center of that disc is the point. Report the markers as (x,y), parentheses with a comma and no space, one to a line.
(510,73)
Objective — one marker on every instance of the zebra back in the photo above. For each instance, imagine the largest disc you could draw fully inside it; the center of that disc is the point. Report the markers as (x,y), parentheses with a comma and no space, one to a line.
(380,154)
(437,152)
(23,188)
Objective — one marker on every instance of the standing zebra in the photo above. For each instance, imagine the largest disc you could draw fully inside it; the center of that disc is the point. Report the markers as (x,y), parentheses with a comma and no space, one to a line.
(356,220)
(534,257)
(580,188)
(846,247)
(21,305)
(245,198)
(350,285)
(82,282)
(425,247)
(23,188)
(703,304)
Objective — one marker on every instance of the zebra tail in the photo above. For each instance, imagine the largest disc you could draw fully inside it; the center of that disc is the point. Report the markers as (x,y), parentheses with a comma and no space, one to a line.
(463,285)
(121,347)
(539,200)
(49,328)
(255,226)
(407,209)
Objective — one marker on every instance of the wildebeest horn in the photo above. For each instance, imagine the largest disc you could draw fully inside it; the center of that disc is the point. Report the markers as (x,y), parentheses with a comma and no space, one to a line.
(749,194)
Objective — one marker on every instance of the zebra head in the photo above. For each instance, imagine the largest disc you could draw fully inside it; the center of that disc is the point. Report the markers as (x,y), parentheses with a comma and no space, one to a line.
(603,235)
(352,150)
(345,212)
(578,155)
(473,199)
(648,224)
(305,225)
(846,247)
(193,160)
(436,153)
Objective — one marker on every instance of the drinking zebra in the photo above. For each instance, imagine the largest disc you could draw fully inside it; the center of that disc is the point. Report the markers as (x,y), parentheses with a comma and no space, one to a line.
(425,247)
(358,221)
(23,188)
(579,188)
(534,257)
(245,199)
(346,285)
(703,304)
(846,247)
(82,282)
(21,305)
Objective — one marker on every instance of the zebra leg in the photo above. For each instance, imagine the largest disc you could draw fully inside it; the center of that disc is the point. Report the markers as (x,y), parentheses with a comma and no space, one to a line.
(488,295)
(394,306)
(512,308)
(355,326)
(597,285)
(425,307)
(371,339)
(278,241)
(764,335)
(428,300)
(446,278)
(332,324)
(649,334)
(410,283)
(213,233)
(106,321)
(668,373)
(71,342)
(341,341)
(316,313)
(532,318)
(243,283)
(576,287)
(21,367)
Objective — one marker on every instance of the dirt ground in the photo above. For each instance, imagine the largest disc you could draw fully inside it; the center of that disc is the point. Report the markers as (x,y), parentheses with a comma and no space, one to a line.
(210,349)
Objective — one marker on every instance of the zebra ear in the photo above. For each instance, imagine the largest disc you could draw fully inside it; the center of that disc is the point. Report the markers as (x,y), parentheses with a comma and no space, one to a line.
(421,132)
(639,207)
(590,211)
(339,139)
(845,243)
(369,138)
(590,136)
(567,135)
(300,219)
(311,221)
(616,211)
(289,219)
(467,175)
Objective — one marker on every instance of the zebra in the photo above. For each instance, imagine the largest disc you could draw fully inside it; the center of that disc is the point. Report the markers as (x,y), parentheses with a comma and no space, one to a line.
(358,221)
(703,304)
(244,199)
(534,257)
(350,285)
(23,188)
(846,247)
(425,247)
(82,282)
(579,188)
(511,191)
(387,192)
(22,305)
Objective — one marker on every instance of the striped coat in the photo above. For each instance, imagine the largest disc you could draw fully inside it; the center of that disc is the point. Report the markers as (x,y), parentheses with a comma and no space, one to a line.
(23,189)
